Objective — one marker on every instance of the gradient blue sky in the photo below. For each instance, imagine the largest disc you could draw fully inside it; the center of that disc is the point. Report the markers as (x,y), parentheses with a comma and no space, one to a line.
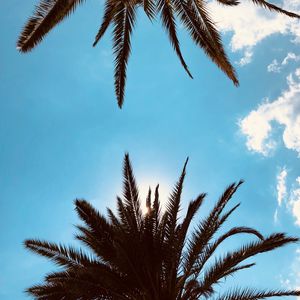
(63,136)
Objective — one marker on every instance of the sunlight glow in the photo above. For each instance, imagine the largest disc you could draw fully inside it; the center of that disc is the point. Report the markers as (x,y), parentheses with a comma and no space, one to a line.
(165,188)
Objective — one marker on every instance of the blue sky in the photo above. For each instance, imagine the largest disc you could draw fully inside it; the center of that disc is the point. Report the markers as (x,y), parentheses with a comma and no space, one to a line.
(64,137)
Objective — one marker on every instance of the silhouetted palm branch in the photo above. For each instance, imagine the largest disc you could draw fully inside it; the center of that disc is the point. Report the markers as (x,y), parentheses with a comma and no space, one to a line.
(148,256)
(47,15)
(169,22)
(193,14)
(124,20)
(252,294)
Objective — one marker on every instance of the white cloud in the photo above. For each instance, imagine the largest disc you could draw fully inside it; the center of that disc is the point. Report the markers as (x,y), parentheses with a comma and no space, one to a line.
(276,67)
(294,201)
(292,282)
(281,186)
(290,57)
(258,24)
(246,59)
(290,197)
(275,217)
(259,124)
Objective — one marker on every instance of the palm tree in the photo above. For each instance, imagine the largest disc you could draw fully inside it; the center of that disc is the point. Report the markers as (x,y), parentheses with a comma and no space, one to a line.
(193,14)
(151,256)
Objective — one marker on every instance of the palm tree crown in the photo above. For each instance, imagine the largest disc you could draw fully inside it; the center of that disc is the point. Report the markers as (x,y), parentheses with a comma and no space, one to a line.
(151,256)
(193,14)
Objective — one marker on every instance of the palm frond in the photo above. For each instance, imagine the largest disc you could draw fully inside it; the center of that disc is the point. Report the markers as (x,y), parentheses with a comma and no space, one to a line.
(156,209)
(275,8)
(253,294)
(223,265)
(124,20)
(92,218)
(48,14)
(173,205)
(168,20)
(109,12)
(207,229)
(149,8)
(193,208)
(229,2)
(131,196)
(195,18)
(210,248)
(61,255)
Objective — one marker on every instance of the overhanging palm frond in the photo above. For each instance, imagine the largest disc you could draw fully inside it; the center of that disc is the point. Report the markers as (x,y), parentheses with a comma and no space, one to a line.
(229,2)
(124,20)
(149,8)
(252,294)
(109,13)
(169,22)
(195,17)
(275,8)
(193,14)
(47,15)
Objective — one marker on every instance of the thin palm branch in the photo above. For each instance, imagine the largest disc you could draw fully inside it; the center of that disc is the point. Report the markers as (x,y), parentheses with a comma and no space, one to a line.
(124,20)
(47,15)
(169,22)
(252,294)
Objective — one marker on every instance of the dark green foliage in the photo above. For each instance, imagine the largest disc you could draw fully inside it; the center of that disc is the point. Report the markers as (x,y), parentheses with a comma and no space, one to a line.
(151,256)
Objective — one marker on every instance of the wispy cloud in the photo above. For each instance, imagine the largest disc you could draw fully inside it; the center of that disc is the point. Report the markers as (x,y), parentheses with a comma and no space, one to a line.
(289,196)
(294,201)
(246,59)
(258,25)
(259,124)
(281,186)
(276,67)
(292,281)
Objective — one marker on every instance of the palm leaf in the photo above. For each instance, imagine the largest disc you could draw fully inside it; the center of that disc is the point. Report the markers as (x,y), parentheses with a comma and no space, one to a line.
(229,2)
(124,20)
(252,294)
(222,266)
(131,197)
(194,16)
(168,20)
(63,256)
(275,8)
(149,8)
(47,15)
(109,12)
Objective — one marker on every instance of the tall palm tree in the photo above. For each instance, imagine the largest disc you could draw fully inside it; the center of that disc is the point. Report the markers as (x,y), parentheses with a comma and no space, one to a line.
(151,256)
(193,14)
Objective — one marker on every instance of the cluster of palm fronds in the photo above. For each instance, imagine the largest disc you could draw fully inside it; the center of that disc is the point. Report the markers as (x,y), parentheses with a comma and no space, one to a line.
(151,256)
(193,14)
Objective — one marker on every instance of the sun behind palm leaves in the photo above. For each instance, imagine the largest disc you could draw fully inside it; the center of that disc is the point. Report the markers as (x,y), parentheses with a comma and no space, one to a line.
(151,256)
(193,14)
